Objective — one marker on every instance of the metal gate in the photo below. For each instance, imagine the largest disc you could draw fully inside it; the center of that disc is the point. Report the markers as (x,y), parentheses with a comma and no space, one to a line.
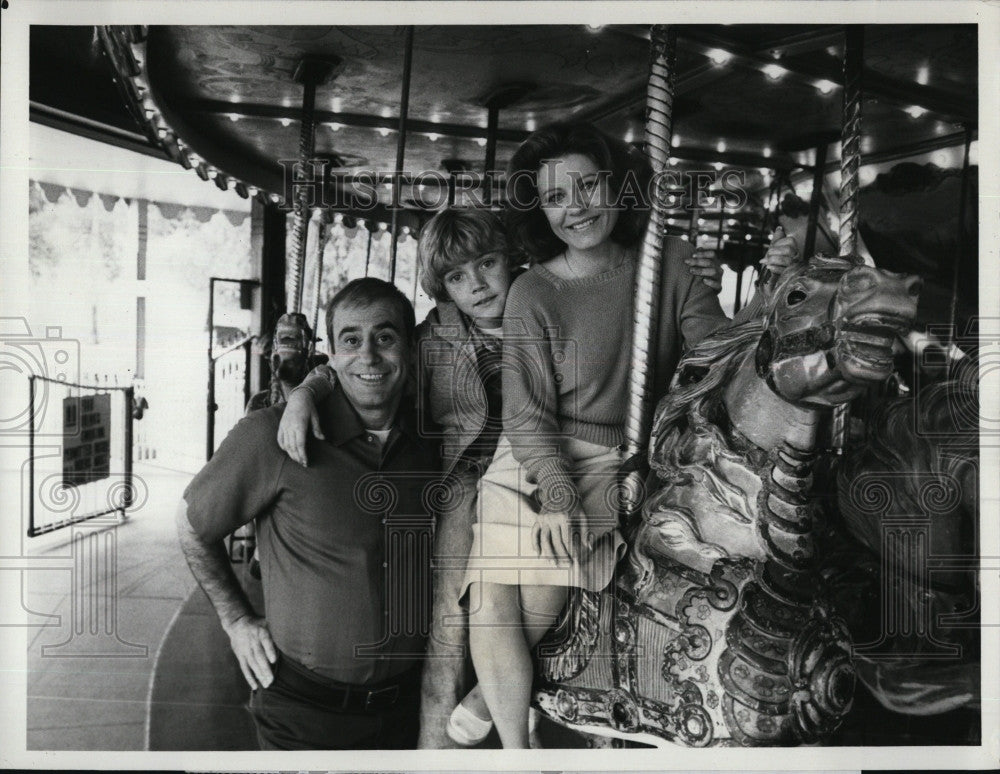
(228,390)
(80,453)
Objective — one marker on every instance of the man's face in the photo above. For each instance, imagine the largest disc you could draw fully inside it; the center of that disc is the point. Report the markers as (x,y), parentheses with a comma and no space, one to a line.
(370,354)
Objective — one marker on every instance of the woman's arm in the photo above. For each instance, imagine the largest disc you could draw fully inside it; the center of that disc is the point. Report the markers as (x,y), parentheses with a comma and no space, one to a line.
(531,402)
(705,263)
(300,414)
(699,312)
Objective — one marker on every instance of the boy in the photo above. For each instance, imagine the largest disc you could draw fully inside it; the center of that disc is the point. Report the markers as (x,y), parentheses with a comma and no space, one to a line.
(466,266)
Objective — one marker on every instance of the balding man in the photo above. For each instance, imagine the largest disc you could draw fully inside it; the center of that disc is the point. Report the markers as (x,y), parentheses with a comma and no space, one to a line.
(344,544)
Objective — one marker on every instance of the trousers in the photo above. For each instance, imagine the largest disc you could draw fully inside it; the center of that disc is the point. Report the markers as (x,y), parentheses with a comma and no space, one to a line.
(301,711)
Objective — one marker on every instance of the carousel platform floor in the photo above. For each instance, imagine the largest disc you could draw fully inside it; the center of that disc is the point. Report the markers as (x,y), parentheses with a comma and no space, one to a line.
(88,691)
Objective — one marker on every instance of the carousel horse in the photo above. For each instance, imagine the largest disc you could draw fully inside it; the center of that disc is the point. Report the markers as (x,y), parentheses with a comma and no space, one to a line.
(712,633)
(291,356)
(902,569)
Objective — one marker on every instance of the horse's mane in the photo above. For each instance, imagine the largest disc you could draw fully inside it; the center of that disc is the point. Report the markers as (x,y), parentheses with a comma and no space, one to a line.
(700,374)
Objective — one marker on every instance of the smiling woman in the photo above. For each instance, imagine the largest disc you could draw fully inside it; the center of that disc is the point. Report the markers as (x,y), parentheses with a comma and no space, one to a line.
(575,170)
(576,201)
(546,501)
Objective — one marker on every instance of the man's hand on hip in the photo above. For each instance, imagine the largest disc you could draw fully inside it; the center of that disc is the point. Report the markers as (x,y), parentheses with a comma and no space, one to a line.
(251,641)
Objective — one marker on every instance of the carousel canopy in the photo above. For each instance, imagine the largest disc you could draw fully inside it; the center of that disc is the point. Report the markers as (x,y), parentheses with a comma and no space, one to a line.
(765,101)
(228,101)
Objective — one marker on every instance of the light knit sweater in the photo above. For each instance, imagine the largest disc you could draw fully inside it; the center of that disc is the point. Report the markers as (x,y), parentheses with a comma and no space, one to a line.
(567,348)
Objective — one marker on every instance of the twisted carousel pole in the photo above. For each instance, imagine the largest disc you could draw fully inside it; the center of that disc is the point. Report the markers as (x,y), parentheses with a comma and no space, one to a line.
(659,117)
(311,72)
(404,110)
(322,234)
(307,149)
(850,167)
(850,137)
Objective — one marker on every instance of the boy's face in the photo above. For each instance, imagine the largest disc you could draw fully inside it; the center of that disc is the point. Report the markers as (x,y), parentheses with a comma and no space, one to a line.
(479,288)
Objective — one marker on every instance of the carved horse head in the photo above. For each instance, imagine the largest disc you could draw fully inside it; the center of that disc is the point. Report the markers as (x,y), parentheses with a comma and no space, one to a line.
(832,323)
(829,329)
(290,348)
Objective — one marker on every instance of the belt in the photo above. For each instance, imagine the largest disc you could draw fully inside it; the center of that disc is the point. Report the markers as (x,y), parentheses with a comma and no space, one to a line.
(345,697)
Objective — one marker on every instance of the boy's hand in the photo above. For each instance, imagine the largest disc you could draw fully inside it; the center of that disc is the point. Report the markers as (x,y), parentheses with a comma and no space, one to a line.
(704,263)
(300,416)
(783,251)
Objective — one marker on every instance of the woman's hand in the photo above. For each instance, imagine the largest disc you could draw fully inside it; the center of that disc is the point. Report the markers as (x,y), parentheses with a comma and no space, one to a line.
(705,263)
(552,535)
(784,250)
(300,415)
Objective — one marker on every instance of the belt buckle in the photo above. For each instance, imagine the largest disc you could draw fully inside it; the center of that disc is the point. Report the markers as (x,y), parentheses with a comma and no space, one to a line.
(390,694)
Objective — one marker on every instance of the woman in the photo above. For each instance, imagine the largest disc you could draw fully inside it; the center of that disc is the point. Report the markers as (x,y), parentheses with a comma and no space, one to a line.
(546,506)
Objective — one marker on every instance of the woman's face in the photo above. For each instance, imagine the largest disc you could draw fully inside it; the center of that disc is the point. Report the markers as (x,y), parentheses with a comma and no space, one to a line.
(576,199)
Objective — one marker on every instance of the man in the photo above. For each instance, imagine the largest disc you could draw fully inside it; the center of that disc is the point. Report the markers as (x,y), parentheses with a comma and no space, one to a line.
(344,544)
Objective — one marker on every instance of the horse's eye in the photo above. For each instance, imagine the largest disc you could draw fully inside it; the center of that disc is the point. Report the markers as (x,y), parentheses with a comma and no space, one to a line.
(797,296)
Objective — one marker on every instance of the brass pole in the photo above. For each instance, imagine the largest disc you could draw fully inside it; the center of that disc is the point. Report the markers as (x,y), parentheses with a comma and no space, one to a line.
(819,175)
(963,204)
(322,234)
(850,138)
(307,149)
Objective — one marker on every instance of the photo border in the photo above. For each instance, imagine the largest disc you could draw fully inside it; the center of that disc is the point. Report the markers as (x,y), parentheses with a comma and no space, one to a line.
(20,14)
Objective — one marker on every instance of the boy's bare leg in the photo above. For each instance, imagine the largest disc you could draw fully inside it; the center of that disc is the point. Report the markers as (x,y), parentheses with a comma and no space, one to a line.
(507,619)
(444,680)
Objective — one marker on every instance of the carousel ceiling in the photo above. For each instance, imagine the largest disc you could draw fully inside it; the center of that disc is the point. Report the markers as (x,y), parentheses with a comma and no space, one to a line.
(225,100)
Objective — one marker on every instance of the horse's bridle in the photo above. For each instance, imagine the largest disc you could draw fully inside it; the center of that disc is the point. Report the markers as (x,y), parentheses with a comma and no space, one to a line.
(804,342)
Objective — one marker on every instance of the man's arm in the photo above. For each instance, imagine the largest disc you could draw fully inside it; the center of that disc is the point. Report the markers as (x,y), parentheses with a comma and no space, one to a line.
(248,633)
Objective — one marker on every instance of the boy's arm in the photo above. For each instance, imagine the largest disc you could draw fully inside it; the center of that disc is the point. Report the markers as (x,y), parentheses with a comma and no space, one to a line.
(319,383)
(301,415)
